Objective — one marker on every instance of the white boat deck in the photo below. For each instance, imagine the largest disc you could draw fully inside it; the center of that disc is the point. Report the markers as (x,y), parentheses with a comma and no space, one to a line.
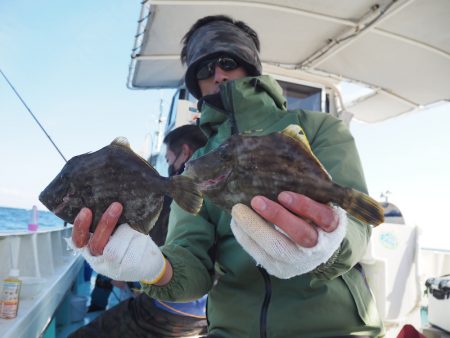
(35,312)
(48,270)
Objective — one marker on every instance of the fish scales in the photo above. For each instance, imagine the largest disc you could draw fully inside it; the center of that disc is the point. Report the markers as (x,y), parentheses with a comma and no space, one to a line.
(245,166)
(255,172)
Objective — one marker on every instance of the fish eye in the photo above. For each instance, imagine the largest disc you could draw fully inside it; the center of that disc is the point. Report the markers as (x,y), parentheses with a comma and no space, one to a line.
(224,154)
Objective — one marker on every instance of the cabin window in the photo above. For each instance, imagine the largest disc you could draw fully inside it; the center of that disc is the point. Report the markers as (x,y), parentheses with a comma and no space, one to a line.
(180,94)
(302,97)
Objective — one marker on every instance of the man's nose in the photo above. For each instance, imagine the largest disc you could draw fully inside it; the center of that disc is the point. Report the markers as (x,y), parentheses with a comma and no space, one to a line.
(220,75)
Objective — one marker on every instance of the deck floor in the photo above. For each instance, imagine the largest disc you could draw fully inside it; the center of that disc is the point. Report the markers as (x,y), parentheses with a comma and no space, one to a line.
(84,290)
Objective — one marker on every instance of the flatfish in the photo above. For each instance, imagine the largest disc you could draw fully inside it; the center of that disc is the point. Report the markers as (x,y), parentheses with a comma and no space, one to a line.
(245,166)
(117,173)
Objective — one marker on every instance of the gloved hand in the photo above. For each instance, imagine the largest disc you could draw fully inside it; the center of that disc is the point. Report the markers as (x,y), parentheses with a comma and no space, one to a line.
(275,251)
(128,256)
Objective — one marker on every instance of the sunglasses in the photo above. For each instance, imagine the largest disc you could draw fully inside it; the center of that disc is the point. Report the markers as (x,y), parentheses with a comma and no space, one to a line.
(206,69)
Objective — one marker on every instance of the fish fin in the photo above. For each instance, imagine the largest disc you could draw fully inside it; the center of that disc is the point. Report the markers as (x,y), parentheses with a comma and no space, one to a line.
(121,141)
(365,208)
(295,132)
(185,192)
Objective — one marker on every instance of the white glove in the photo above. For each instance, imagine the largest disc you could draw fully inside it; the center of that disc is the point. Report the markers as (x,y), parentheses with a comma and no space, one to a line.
(275,251)
(128,256)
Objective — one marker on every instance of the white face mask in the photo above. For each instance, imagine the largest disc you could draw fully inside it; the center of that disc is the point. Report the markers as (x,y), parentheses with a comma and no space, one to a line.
(172,171)
(181,157)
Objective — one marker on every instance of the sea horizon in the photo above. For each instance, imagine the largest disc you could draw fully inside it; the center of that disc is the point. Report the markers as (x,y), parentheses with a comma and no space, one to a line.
(14,219)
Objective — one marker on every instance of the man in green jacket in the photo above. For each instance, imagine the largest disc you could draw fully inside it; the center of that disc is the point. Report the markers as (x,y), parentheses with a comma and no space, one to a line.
(310,283)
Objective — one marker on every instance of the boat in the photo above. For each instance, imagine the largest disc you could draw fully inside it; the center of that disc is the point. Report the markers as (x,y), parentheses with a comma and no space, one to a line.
(394,53)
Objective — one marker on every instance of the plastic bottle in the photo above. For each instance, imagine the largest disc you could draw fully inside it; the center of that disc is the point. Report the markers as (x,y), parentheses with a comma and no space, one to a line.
(33,225)
(9,297)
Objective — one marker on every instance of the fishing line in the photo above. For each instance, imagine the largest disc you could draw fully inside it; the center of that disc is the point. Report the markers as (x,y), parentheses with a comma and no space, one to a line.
(32,115)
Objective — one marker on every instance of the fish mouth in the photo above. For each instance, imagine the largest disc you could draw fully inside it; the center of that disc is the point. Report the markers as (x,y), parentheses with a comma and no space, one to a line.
(61,206)
(214,183)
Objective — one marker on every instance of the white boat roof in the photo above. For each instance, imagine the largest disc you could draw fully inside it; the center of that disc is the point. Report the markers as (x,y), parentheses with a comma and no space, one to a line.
(400,49)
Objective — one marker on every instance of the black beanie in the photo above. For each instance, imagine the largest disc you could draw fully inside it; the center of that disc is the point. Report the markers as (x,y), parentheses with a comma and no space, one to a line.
(217,38)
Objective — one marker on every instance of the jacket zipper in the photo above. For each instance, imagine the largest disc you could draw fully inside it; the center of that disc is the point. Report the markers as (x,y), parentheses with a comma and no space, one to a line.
(228,104)
(227,100)
(265,304)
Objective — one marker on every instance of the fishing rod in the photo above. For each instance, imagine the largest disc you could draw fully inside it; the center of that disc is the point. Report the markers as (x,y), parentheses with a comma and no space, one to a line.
(32,115)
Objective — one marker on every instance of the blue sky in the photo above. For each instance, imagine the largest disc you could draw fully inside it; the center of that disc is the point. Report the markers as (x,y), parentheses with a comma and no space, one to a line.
(410,156)
(69,60)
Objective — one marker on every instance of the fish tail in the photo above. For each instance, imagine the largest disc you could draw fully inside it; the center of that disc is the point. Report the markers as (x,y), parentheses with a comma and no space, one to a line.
(186,194)
(365,208)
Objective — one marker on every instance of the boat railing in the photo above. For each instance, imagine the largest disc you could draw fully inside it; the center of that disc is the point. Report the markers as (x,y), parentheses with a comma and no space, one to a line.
(48,269)
(35,254)
(397,268)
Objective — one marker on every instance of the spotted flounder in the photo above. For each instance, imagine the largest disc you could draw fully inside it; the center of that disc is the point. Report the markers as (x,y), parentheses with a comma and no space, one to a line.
(117,173)
(245,166)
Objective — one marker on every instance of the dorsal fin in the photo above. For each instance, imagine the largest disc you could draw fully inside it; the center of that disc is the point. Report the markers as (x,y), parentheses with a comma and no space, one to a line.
(121,141)
(294,131)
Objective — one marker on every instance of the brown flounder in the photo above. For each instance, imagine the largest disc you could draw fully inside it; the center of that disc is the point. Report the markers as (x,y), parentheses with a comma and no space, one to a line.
(246,166)
(117,173)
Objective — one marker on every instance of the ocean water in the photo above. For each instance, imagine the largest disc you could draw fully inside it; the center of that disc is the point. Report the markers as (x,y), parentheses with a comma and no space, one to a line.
(14,219)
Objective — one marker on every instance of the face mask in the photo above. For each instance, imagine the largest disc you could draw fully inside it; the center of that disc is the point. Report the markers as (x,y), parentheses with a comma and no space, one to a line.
(172,171)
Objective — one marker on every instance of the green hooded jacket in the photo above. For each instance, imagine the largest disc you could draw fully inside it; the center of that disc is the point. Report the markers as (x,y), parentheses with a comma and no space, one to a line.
(244,301)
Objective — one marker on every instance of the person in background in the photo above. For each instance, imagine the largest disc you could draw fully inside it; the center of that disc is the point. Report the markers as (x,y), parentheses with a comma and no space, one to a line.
(142,316)
(258,286)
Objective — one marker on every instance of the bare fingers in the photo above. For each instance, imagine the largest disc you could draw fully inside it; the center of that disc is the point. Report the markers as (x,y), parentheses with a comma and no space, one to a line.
(299,230)
(104,229)
(321,214)
(80,231)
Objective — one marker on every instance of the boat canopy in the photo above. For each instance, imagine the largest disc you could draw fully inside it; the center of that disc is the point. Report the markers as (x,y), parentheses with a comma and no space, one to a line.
(399,49)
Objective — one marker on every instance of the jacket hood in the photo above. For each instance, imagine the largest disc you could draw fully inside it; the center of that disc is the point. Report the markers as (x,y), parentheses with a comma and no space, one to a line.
(254,103)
